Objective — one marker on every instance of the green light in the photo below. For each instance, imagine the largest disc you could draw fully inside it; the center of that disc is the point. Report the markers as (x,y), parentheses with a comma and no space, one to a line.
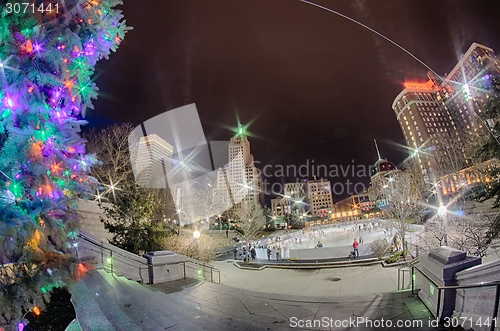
(6,113)
(108,260)
(431,288)
(43,289)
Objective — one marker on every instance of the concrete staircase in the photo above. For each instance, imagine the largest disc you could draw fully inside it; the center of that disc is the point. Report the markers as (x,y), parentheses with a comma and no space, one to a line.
(106,302)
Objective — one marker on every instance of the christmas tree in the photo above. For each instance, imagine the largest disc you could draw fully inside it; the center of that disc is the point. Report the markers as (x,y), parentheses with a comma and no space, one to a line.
(48,51)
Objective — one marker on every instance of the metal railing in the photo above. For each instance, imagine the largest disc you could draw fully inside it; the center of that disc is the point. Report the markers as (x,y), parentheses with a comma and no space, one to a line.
(196,266)
(440,289)
(119,262)
(402,271)
(115,260)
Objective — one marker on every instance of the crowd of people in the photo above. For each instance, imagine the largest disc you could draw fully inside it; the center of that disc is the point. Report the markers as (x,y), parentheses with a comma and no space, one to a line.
(276,247)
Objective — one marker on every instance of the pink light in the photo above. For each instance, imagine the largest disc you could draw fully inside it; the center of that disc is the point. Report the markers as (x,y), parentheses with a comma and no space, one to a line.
(20,326)
(9,102)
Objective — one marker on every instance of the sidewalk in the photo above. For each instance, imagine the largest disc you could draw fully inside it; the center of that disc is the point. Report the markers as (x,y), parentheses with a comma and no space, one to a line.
(311,282)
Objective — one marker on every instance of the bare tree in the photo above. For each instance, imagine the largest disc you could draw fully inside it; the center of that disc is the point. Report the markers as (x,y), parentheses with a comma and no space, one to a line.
(399,201)
(111,146)
(416,177)
(202,249)
(380,248)
(251,220)
(469,235)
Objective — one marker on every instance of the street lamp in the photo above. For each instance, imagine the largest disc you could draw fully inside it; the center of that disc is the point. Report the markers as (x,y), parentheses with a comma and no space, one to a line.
(196,234)
(442,211)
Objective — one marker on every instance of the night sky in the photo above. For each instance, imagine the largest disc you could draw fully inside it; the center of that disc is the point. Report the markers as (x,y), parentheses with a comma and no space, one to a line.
(312,85)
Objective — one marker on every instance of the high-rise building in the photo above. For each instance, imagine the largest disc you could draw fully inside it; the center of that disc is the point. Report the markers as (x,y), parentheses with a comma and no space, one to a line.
(278,207)
(295,197)
(440,116)
(153,161)
(240,180)
(319,197)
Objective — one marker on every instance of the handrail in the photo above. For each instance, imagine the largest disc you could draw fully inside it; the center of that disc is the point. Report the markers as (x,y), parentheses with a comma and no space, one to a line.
(128,260)
(99,243)
(495,283)
(212,269)
(475,285)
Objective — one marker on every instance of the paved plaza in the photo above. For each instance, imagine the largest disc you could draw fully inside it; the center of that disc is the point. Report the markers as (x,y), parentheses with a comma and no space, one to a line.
(311,282)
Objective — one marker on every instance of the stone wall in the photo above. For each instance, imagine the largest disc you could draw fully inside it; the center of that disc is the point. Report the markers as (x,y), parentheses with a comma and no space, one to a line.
(90,221)
(477,303)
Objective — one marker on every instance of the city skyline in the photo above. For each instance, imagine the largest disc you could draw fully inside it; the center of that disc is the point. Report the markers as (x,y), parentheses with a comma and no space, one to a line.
(320,90)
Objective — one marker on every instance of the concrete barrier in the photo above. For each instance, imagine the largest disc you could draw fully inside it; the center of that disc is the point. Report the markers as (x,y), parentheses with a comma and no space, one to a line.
(326,253)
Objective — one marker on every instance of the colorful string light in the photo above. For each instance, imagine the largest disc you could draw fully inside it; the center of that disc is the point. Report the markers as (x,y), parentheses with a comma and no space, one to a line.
(46,64)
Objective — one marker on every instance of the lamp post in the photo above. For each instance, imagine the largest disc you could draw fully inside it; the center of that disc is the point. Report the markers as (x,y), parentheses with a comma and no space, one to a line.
(442,211)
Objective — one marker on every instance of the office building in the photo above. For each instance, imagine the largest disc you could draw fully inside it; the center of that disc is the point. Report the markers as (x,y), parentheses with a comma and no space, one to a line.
(240,180)
(440,118)
(319,197)
(153,161)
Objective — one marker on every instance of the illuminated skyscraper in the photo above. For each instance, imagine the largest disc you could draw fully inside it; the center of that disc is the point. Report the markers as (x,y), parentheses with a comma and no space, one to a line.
(319,197)
(440,116)
(153,161)
(240,180)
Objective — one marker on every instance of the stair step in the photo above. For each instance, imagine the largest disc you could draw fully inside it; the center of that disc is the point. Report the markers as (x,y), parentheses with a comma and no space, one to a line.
(126,302)
(89,314)
(161,313)
(113,313)
(210,310)
(203,318)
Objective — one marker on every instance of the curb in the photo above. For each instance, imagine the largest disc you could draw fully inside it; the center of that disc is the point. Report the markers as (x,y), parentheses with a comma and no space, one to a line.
(323,265)
(386,265)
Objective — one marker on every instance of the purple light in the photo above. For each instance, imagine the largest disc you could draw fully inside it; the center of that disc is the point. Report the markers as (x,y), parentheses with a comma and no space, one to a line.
(20,326)
(18,176)
(89,48)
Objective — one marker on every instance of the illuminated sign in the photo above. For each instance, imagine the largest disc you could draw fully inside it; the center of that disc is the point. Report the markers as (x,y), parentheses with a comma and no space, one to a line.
(419,86)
